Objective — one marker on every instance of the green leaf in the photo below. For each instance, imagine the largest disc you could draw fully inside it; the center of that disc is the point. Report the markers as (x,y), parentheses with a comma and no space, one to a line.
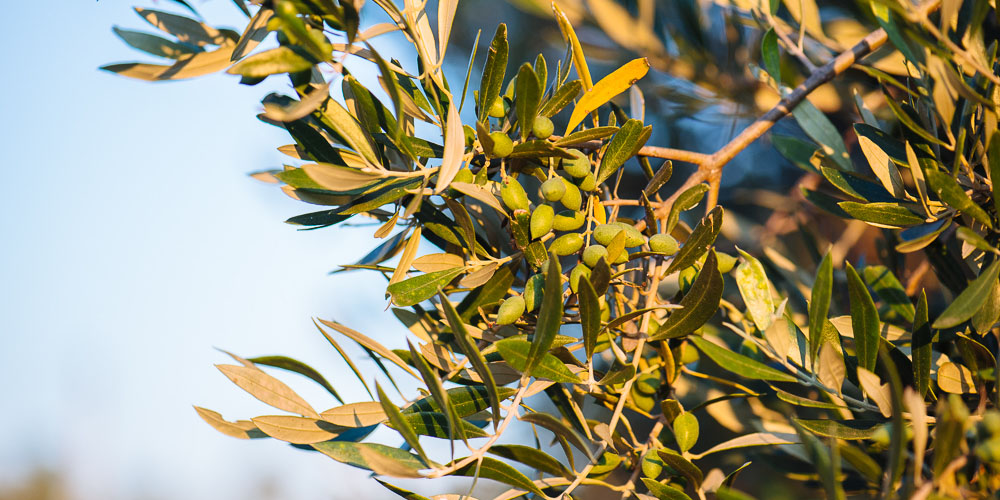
(186,30)
(493,72)
(994,165)
(399,423)
(559,428)
(922,341)
(664,492)
(474,355)
(491,291)
(466,401)
(152,44)
(819,305)
(549,315)
(864,320)
(817,126)
(587,134)
(889,289)
(370,344)
(539,149)
(515,353)
(366,455)
(770,55)
(970,300)
(294,365)
(536,459)
(840,429)
(590,316)
(436,425)
(660,178)
(620,149)
(685,431)
(801,401)
(701,237)
(408,495)
(491,468)
(566,94)
(756,290)
(699,304)
(420,288)
(948,190)
(618,376)
(528,93)
(881,214)
(681,464)
(617,82)
(436,388)
(687,200)
(740,364)
(339,121)
(283,59)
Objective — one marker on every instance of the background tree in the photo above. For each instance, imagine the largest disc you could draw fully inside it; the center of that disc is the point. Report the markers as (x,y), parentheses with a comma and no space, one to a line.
(544,289)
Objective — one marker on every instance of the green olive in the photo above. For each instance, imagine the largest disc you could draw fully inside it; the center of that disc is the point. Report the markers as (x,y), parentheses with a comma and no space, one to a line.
(633,237)
(579,166)
(571,199)
(510,310)
(553,189)
(686,277)
(541,221)
(663,243)
(580,271)
(604,233)
(726,262)
(502,145)
(513,195)
(588,183)
(568,220)
(594,253)
(464,175)
(499,108)
(567,244)
(542,127)
(648,383)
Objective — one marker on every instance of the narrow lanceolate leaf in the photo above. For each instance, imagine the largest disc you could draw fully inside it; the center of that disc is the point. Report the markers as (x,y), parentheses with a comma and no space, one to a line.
(472,352)
(399,423)
(663,492)
(436,388)
(561,98)
(339,177)
(587,134)
(294,365)
(153,44)
(491,468)
(466,401)
(255,31)
(950,192)
(878,392)
(454,149)
(297,430)
(889,289)
(528,94)
(740,364)
(698,305)
(864,320)
(559,428)
(420,288)
(368,455)
(702,237)
(770,54)
(881,214)
(922,339)
(531,457)
(569,34)
(515,353)
(549,315)
(687,200)
(756,291)
(334,117)
(371,344)
(355,414)
(186,30)
(840,429)
(617,82)
(437,425)
(240,429)
(620,148)
(755,439)
(403,493)
(267,389)
(970,300)
(590,316)
(493,71)
(283,59)
(819,304)
(187,66)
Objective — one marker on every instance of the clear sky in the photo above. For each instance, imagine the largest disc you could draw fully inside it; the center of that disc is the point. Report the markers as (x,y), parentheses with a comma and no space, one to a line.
(134,242)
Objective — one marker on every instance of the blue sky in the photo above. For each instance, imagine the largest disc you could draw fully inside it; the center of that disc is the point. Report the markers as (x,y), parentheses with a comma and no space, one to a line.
(135,242)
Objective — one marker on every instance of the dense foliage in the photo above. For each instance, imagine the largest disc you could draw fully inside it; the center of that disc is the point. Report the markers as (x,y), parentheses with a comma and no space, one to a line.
(597,325)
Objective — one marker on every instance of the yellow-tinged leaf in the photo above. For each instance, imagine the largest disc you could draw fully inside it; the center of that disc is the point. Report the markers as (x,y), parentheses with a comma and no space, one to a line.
(600,216)
(240,429)
(438,262)
(445,18)
(267,389)
(185,29)
(383,465)
(407,259)
(479,276)
(297,430)
(356,414)
(876,390)
(298,109)
(617,82)
(454,149)
(955,379)
(366,341)
(339,177)
(625,30)
(569,34)
(187,66)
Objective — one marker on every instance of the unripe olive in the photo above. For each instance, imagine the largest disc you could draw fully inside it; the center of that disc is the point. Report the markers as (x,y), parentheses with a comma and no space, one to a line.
(568,220)
(622,258)
(513,195)
(688,354)
(567,244)
(580,271)
(579,166)
(633,237)
(726,262)
(470,136)
(608,462)
(642,401)
(604,233)
(464,175)
(542,127)
(648,383)
(510,310)
(571,199)
(594,253)
(553,189)
(686,277)
(541,221)
(499,108)
(533,291)
(663,243)
(652,465)
(502,145)
(588,183)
